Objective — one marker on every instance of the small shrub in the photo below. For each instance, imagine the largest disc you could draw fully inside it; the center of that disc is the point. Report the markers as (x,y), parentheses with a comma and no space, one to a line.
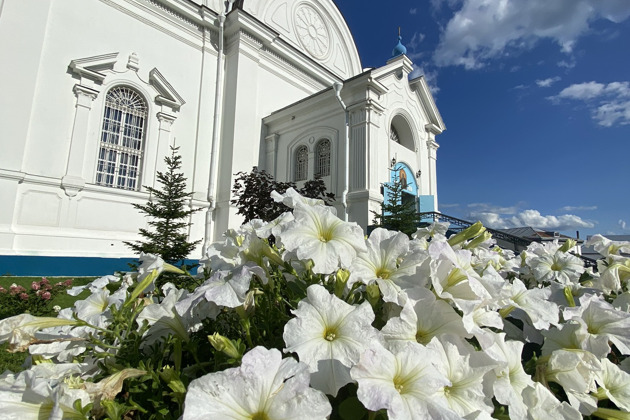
(36,300)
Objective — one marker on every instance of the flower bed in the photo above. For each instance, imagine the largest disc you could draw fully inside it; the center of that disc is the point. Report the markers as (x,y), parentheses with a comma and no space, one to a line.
(305,318)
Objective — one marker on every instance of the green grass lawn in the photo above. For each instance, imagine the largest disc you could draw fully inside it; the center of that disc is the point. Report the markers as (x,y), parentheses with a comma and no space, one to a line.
(14,361)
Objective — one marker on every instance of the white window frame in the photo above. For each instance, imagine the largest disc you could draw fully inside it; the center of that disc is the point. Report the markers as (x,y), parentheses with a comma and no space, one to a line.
(122,139)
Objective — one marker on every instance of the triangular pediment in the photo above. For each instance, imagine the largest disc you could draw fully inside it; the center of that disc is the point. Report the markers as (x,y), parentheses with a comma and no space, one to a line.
(166,93)
(92,67)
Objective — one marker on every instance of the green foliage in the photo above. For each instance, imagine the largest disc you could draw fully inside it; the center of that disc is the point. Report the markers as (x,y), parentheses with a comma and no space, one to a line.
(11,361)
(397,214)
(252,192)
(168,212)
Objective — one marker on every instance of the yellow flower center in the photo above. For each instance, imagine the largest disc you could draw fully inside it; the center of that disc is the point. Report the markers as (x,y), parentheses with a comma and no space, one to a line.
(400,383)
(260,416)
(556,267)
(423,337)
(382,273)
(330,334)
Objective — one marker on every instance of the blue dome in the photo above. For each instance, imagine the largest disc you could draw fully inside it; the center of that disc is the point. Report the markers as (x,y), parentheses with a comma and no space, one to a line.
(399,49)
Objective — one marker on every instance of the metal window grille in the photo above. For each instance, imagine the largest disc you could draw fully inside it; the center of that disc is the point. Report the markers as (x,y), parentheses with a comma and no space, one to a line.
(122,135)
(393,134)
(322,158)
(301,163)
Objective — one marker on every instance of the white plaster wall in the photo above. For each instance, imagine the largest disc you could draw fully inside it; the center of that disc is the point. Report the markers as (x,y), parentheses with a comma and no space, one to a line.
(41,218)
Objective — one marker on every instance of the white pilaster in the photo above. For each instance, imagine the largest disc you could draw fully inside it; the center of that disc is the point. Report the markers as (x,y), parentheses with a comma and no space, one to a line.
(74,180)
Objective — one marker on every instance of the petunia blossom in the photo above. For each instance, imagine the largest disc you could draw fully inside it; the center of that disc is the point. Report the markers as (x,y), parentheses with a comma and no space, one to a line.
(264,386)
(326,328)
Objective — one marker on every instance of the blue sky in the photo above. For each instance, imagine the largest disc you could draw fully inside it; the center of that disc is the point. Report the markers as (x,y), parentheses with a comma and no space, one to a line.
(535,95)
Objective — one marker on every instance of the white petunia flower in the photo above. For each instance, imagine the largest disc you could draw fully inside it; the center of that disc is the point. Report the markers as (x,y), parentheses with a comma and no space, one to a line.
(327,328)
(534,302)
(606,247)
(405,383)
(453,278)
(575,370)
(511,378)
(387,262)
(163,318)
(465,369)
(543,405)
(435,228)
(265,386)
(561,267)
(20,330)
(319,235)
(614,385)
(603,323)
(422,318)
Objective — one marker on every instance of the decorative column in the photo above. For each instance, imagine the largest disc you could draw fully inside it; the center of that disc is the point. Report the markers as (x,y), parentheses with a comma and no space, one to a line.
(73,181)
(271,143)
(432,147)
(164,141)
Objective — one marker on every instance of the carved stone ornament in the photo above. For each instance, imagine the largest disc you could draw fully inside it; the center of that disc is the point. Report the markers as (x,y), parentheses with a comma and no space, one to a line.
(312,31)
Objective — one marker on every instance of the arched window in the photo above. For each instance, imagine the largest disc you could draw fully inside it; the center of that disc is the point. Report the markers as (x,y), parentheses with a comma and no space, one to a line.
(322,158)
(301,163)
(122,137)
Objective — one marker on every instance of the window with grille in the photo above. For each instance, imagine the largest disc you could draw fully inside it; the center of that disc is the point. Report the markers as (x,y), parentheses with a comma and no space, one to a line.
(122,135)
(322,158)
(301,163)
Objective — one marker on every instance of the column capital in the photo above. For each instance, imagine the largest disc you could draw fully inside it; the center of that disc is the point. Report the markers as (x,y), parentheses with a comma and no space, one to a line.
(85,95)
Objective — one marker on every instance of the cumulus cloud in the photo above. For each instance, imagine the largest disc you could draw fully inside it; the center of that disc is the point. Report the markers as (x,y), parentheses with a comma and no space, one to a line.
(487,29)
(622,224)
(609,104)
(533,218)
(547,82)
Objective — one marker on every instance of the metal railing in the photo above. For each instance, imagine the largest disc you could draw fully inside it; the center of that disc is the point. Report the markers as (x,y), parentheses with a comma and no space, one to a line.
(496,234)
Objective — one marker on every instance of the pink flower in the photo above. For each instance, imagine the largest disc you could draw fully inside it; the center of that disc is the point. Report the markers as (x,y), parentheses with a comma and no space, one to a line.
(23,296)
(3,290)
(46,295)
(35,285)
(44,280)
(68,282)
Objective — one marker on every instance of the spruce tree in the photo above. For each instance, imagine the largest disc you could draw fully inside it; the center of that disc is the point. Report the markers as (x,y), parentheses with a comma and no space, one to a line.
(396,213)
(168,212)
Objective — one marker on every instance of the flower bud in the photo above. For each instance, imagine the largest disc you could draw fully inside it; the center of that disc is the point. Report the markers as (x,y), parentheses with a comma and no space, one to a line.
(466,234)
(373,293)
(225,346)
(569,244)
(341,279)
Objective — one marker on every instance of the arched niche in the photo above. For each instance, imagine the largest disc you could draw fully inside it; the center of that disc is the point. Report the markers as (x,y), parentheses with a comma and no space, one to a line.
(400,131)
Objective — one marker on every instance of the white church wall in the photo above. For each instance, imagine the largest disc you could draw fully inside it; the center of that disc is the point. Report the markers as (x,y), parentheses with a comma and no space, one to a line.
(45,220)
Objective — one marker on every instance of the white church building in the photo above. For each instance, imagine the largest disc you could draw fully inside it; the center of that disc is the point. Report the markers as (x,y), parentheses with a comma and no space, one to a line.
(94,93)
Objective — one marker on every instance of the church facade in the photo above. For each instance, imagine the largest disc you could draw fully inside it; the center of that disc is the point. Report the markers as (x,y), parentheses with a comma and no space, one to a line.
(96,92)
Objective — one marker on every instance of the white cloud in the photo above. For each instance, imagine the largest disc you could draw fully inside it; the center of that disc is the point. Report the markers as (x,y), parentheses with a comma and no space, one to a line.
(534,219)
(490,208)
(413,11)
(547,82)
(487,29)
(578,208)
(609,103)
(622,224)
